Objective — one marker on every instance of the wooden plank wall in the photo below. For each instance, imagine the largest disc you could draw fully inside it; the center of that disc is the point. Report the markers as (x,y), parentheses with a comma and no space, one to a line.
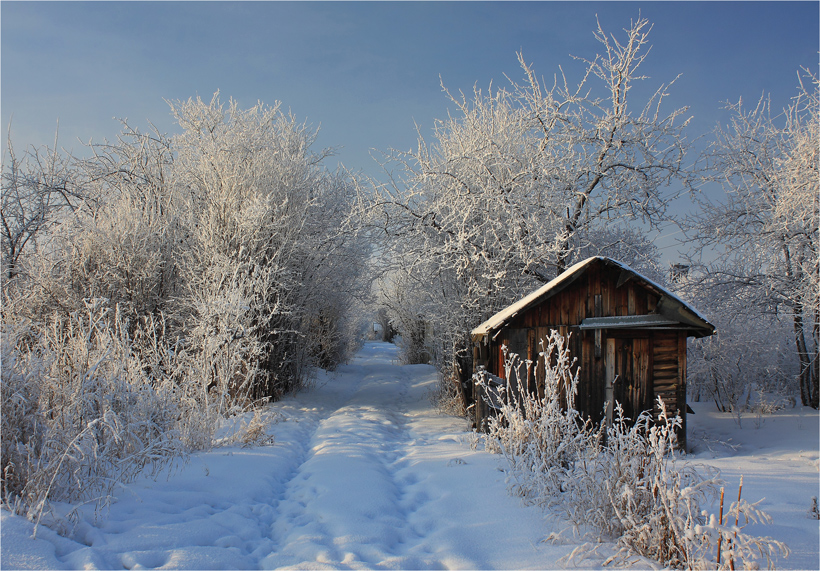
(658,357)
(665,369)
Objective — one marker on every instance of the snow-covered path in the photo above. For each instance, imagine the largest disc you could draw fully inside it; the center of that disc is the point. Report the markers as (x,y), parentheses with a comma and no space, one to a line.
(364,474)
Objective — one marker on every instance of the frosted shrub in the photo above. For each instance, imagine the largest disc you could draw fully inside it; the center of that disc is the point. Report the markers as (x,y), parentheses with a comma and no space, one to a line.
(249,429)
(81,412)
(20,396)
(651,502)
(271,259)
(540,437)
(228,317)
(623,482)
(91,399)
(716,544)
(86,405)
(720,370)
(412,344)
(122,253)
(445,397)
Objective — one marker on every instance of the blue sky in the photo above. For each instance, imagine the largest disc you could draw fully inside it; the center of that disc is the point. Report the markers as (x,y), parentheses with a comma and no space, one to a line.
(365,72)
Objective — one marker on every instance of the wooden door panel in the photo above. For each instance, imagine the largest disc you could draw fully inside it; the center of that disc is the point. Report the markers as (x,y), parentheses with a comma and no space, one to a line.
(623,389)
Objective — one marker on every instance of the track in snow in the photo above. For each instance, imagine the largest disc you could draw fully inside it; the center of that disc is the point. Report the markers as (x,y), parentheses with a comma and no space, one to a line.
(353,486)
(364,474)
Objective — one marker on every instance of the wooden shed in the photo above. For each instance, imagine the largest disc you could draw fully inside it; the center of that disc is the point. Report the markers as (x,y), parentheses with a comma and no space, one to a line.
(623,327)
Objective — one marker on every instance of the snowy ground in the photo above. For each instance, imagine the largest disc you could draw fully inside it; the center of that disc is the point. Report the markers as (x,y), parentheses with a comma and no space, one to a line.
(777,455)
(365,474)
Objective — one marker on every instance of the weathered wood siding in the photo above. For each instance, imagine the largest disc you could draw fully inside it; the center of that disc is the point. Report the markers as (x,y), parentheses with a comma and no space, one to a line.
(648,362)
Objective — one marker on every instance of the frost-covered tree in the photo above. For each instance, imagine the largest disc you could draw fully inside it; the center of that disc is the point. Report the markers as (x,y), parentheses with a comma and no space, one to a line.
(37,188)
(764,233)
(269,251)
(604,158)
(719,367)
(519,182)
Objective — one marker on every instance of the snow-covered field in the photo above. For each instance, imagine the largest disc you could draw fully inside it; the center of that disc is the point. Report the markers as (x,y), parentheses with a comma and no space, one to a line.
(777,455)
(364,473)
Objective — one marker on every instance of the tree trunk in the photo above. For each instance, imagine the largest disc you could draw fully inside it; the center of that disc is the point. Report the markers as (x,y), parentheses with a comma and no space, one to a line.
(808,362)
(808,372)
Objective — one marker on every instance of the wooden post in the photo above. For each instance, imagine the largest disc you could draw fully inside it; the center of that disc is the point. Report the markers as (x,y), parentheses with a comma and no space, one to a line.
(681,390)
(720,523)
(478,405)
(458,376)
(610,378)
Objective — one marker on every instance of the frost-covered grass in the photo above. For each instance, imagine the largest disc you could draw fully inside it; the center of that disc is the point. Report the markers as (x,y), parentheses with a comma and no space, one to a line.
(623,481)
(90,402)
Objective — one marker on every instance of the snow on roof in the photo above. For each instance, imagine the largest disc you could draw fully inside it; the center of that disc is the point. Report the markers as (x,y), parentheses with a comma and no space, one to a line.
(499,319)
(511,311)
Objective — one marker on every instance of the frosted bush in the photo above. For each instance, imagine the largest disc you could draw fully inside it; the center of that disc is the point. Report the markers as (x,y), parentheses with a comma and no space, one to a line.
(719,368)
(87,405)
(271,259)
(624,482)
(91,400)
(81,411)
(716,545)
(539,437)
(445,397)
(651,501)
(248,429)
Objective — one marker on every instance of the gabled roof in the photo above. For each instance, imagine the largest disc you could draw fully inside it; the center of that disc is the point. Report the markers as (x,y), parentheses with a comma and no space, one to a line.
(672,311)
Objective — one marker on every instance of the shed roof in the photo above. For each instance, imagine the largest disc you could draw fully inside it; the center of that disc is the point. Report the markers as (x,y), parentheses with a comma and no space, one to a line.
(672,310)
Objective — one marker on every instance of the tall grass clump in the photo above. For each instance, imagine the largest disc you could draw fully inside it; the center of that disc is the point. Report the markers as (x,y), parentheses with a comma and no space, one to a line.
(82,410)
(623,482)
(91,400)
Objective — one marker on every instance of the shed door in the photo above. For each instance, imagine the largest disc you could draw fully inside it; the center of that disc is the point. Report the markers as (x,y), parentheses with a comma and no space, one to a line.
(632,388)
